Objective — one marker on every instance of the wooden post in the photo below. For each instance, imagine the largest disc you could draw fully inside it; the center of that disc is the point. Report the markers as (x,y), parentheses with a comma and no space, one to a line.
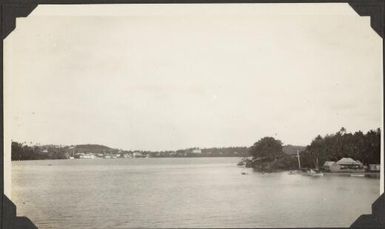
(299,160)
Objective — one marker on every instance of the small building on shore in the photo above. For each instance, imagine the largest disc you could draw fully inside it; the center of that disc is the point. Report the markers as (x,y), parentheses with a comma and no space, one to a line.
(138,155)
(345,164)
(326,166)
(196,151)
(374,167)
(86,156)
(127,155)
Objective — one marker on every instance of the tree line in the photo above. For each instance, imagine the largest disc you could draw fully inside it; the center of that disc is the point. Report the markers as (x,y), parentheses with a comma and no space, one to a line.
(365,148)
(22,151)
(267,154)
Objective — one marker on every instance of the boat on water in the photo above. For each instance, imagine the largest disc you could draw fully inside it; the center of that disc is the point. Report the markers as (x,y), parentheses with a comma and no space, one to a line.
(357,175)
(314,173)
(308,172)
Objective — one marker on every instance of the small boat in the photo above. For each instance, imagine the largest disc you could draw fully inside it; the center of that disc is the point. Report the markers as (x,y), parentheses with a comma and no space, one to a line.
(357,175)
(244,173)
(293,172)
(314,173)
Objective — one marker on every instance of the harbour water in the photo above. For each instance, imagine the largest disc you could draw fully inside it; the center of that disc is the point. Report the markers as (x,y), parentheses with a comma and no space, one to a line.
(182,192)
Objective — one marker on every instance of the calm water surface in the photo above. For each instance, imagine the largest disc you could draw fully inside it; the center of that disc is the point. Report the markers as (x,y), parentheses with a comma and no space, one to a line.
(182,192)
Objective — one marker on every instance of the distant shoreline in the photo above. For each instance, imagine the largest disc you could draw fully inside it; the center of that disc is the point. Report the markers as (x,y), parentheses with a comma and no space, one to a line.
(89,159)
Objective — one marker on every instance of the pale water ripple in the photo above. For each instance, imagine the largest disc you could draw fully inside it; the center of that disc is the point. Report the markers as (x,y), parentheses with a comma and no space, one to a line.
(182,192)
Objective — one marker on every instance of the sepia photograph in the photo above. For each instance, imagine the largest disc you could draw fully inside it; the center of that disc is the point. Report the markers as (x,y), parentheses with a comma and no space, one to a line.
(193,116)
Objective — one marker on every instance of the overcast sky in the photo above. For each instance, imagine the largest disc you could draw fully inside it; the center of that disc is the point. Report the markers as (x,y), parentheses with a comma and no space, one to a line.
(168,77)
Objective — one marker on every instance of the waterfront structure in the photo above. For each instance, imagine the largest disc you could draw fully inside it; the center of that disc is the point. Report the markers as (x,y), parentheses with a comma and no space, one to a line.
(374,167)
(344,165)
(327,165)
(127,155)
(196,151)
(87,156)
(349,163)
(138,154)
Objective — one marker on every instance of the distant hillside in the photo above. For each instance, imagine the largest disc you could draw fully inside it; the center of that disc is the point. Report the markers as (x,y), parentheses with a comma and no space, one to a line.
(292,150)
(92,148)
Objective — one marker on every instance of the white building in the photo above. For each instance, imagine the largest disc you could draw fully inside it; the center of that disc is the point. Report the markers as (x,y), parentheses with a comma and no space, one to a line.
(87,156)
(196,151)
(137,154)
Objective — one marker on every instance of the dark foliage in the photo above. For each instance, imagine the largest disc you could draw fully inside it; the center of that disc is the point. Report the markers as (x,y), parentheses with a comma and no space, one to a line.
(358,146)
(268,153)
(24,152)
(267,148)
(268,156)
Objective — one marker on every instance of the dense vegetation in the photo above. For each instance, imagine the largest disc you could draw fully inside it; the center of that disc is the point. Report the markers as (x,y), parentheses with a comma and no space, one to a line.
(267,154)
(24,152)
(359,146)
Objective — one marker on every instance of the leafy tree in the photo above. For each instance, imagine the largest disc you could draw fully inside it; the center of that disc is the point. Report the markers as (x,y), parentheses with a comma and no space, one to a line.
(267,148)
(372,147)
(315,152)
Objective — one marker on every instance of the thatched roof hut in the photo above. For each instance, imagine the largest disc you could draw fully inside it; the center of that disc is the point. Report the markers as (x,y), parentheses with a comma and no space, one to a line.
(347,161)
